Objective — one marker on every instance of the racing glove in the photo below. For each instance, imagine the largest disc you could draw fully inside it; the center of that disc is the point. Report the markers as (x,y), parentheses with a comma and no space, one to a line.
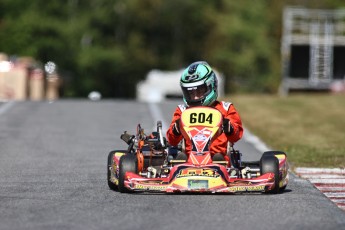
(176,128)
(227,127)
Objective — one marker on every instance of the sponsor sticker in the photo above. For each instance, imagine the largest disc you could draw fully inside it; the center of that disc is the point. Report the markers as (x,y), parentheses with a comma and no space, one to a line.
(149,187)
(205,172)
(257,188)
(197,184)
(200,137)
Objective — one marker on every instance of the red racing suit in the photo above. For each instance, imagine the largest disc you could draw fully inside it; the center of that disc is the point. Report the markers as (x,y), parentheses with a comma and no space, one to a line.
(220,144)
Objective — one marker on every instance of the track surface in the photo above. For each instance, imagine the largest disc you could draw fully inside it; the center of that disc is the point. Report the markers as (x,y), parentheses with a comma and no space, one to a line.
(53,176)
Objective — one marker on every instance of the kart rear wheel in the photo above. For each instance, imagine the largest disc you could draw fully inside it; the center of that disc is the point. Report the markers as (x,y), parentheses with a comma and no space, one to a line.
(270,164)
(128,163)
(110,170)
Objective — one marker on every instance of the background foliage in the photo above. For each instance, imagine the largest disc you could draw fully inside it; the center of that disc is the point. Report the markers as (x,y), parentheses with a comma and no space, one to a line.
(109,45)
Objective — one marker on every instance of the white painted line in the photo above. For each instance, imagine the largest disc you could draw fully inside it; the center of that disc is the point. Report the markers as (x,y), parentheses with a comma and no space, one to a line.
(323,176)
(255,141)
(338,200)
(334,189)
(320,170)
(327,181)
(6,107)
(335,194)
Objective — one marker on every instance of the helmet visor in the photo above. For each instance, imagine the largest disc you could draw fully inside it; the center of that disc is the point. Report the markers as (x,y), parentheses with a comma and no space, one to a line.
(195,93)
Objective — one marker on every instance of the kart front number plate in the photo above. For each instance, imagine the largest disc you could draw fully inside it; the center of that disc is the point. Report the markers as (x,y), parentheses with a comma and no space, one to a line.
(197,184)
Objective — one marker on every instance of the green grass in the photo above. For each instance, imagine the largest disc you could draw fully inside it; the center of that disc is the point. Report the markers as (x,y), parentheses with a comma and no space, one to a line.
(310,128)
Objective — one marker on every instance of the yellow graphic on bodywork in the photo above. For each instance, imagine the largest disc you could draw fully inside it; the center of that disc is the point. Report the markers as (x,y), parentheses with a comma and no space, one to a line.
(201,125)
(204,172)
(212,182)
(284,177)
(280,157)
(201,117)
(114,179)
(119,154)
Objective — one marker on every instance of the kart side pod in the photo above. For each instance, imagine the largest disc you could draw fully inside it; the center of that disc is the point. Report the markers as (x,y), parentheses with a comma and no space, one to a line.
(275,162)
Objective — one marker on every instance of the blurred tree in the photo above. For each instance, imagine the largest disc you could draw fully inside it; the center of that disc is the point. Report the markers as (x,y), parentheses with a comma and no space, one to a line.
(110,45)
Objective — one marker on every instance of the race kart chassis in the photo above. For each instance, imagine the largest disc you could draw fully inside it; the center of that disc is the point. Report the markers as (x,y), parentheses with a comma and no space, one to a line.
(149,164)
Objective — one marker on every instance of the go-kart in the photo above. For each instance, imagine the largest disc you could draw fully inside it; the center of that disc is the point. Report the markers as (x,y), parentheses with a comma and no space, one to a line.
(149,164)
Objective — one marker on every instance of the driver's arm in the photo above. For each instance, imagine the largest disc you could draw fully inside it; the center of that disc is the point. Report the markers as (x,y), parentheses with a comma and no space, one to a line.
(236,123)
(172,136)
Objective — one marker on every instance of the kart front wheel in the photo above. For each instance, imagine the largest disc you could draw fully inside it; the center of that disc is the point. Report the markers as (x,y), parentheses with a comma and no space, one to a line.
(110,170)
(270,164)
(128,163)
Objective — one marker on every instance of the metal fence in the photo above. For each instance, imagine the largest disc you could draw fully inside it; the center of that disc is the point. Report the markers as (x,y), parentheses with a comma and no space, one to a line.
(313,48)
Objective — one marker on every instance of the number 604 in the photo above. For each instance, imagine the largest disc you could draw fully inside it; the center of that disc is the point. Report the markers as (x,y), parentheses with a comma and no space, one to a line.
(200,118)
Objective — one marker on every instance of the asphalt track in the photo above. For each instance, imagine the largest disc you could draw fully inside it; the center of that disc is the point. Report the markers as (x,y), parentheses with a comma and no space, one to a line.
(53,176)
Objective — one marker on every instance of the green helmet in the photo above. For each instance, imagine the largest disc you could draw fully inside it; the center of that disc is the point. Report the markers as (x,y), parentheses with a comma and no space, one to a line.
(199,84)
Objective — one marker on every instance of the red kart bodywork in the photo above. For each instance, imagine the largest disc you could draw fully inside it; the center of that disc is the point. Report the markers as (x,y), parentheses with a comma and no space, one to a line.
(211,177)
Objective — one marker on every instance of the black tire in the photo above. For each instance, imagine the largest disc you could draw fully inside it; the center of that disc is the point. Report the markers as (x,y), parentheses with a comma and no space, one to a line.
(270,164)
(128,163)
(110,171)
(273,153)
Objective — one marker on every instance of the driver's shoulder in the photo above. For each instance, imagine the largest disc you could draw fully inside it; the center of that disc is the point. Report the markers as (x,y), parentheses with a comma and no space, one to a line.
(182,107)
(222,105)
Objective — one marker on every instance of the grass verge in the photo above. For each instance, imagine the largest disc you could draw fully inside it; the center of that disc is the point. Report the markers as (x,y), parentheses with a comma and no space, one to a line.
(310,128)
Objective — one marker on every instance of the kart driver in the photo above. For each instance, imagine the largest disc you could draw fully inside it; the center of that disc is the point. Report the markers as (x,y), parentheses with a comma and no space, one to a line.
(199,86)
